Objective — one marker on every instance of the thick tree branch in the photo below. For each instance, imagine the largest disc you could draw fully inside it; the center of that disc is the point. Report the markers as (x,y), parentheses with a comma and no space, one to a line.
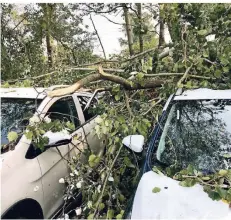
(109,77)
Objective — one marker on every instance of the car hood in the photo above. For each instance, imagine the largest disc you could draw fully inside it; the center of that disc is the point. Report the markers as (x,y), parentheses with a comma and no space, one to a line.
(5,156)
(174,201)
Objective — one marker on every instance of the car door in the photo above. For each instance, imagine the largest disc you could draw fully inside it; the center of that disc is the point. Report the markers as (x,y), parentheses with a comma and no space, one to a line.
(52,163)
(97,145)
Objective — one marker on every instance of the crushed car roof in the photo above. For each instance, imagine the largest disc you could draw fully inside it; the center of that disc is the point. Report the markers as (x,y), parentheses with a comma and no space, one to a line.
(203,93)
(30,93)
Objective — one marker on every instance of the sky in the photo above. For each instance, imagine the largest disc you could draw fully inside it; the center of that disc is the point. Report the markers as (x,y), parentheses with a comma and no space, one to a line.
(108,32)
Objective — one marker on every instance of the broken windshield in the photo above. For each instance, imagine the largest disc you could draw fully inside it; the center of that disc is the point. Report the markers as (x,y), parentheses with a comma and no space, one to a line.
(197,132)
(15,114)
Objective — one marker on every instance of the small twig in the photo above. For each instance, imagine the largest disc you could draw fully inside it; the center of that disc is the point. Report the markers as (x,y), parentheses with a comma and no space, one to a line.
(209,61)
(156,103)
(195,177)
(98,37)
(178,74)
(127,104)
(184,76)
(111,20)
(105,181)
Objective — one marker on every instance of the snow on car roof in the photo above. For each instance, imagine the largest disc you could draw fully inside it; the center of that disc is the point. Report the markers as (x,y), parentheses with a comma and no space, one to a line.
(29,93)
(204,93)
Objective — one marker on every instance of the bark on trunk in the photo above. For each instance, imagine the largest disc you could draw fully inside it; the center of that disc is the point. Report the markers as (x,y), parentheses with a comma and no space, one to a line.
(139,9)
(48,9)
(128,29)
(161,21)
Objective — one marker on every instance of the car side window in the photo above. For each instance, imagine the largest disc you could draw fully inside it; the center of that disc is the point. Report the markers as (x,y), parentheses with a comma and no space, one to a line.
(64,110)
(89,113)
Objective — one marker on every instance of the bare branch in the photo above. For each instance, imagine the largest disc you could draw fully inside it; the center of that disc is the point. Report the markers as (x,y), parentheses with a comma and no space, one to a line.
(101,12)
(179,74)
(98,37)
(127,104)
(92,69)
(184,76)
(109,77)
(155,104)
(111,20)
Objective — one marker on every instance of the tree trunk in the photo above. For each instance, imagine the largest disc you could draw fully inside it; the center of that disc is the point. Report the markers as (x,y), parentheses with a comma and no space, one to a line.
(48,9)
(128,29)
(139,9)
(161,22)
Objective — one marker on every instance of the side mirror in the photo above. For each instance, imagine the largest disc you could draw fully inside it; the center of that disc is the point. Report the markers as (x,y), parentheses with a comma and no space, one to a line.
(134,142)
(58,138)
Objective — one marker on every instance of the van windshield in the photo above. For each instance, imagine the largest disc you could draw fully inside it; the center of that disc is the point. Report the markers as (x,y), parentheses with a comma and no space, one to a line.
(197,132)
(15,114)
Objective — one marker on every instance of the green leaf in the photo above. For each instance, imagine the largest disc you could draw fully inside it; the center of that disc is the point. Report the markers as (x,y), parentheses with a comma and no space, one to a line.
(110,214)
(101,206)
(190,169)
(140,75)
(117,98)
(106,123)
(223,172)
(205,178)
(70,125)
(221,192)
(157,170)
(189,84)
(202,32)
(128,162)
(156,190)
(91,158)
(224,61)
(217,73)
(214,195)
(119,216)
(121,197)
(227,155)
(105,130)
(12,136)
(226,69)
(188,182)
(29,135)
(98,120)
(204,83)
(90,216)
